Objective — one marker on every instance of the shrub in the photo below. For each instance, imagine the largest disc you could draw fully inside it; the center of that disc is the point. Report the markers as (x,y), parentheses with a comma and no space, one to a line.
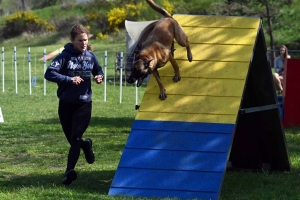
(20,22)
(117,16)
(64,25)
(97,21)
(102,36)
(38,4)
(168,6)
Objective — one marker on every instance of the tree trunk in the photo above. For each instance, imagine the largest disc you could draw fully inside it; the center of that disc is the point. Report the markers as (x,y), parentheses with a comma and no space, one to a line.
(270,32)
(23,5)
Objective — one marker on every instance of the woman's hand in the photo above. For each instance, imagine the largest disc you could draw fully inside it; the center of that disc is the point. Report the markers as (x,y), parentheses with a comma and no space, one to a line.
(98,79)
(77,80)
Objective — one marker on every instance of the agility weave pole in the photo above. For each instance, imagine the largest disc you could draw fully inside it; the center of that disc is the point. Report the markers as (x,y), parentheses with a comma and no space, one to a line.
(180,147)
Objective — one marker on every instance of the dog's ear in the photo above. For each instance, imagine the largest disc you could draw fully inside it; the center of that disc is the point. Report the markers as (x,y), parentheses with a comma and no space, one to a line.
(147,63)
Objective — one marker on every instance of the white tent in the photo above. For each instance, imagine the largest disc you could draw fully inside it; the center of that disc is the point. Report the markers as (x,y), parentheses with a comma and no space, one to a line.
(134,30)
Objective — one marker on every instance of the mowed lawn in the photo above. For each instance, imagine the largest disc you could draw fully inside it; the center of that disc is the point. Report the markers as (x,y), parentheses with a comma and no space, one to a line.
(33,149)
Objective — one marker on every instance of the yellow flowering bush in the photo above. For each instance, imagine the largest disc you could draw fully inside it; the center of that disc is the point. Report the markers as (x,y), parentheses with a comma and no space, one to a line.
(168,6)
(50,27)
(117,16)
(102,36)
(133,10)
(93,16)
(20,22)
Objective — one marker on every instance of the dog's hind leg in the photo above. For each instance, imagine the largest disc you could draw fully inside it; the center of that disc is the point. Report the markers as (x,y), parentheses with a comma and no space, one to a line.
(175,66)
(182,40)
(189,52)
(162,94)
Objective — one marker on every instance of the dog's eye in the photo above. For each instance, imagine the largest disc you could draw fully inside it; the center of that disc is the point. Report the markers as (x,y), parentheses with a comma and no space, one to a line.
(146,64)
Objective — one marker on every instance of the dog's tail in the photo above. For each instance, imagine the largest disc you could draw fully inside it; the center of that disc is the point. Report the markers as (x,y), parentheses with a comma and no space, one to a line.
(158,9)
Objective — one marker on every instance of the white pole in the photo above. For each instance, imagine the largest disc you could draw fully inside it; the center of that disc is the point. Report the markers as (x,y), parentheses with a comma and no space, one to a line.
(1,116)
(29,71)
(115,75)
(121,63)
(45,71)
(2,69)
(23,67)
(105,74)
(35,64)
(124,70)
(16,73)
(136,93)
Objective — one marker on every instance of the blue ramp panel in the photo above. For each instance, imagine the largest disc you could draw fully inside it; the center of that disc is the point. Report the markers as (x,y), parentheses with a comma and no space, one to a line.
(179,147)
(173,159)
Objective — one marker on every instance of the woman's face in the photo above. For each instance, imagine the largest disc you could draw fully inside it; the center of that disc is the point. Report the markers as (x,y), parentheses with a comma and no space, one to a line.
(282,51)
(80,42)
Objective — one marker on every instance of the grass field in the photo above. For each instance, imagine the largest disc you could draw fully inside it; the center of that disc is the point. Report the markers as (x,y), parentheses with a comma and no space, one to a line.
(33,149)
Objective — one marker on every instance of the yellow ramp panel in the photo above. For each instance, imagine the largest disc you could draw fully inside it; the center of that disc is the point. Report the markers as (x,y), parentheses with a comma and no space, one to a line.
(207,69)
(211,86)
(221,35)
(198,86)
(218,21)
(216,52)
(186,117)
(191,104)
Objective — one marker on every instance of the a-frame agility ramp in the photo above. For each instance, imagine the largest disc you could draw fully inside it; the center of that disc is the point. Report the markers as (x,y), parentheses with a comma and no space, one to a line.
(223,113)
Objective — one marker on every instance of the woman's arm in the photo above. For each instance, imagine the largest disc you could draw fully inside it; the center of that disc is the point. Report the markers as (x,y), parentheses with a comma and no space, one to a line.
(53,72)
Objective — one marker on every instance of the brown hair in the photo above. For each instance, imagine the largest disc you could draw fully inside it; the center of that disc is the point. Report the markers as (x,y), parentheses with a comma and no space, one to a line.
(286,53)
(77,29)
(89,47)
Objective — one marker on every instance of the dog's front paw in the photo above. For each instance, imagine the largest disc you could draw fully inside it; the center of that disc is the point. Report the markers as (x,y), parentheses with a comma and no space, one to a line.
(163,96)
(190,57)
(176,78)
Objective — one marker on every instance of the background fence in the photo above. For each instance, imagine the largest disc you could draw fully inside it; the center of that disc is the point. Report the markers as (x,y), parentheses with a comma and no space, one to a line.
(23,73)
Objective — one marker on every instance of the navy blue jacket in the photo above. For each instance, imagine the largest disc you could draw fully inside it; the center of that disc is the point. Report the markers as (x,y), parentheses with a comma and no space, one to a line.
(68,64)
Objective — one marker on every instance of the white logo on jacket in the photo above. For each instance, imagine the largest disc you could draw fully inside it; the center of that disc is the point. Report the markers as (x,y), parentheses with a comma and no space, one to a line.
(54,64)
(72,65)
(85,65)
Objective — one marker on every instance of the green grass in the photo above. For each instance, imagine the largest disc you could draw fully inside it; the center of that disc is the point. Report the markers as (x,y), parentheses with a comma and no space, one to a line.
(33,148)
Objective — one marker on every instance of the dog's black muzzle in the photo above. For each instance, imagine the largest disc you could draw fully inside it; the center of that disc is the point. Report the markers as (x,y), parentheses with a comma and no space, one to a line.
(139,80)
(130,80)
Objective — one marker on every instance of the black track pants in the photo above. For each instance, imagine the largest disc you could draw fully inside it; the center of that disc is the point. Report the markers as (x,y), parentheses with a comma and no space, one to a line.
(74,119)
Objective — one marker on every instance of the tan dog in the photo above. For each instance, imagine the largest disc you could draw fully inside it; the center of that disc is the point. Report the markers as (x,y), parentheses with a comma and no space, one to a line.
(155,48)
